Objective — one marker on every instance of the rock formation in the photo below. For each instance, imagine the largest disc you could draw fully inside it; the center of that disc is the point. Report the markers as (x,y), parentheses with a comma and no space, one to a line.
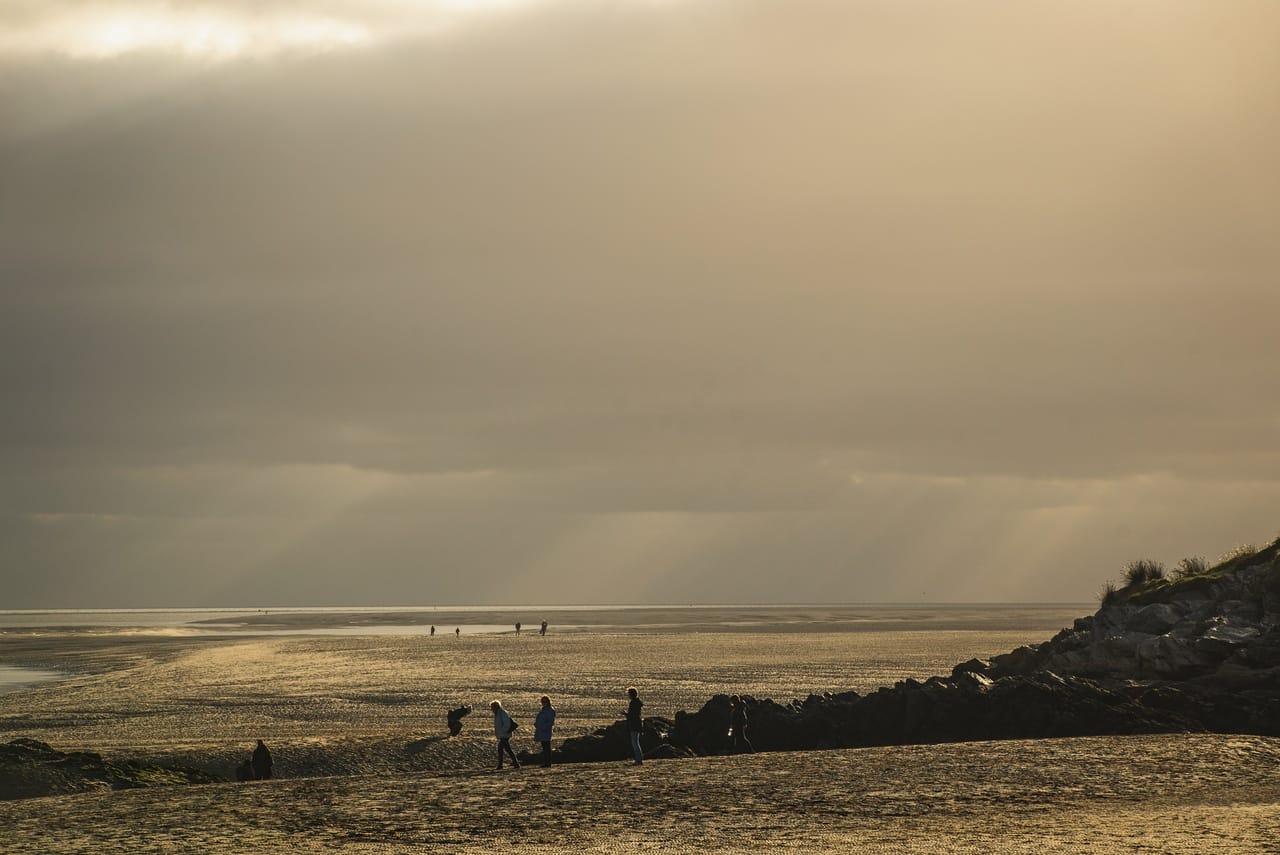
(1199,653)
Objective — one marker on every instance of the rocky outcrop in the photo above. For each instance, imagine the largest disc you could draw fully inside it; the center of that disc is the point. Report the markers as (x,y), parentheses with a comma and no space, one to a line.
(1170,630)
(29,768)
(614,743)
(1195,654)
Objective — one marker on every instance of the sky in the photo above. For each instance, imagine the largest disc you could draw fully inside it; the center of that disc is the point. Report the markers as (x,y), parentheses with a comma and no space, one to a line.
(402,302)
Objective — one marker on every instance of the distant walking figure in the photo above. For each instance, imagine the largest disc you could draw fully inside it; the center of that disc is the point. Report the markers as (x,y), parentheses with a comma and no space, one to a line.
(433,629)
(503,727)
(542,726)
(457,632)
(517,627)
(738,727)
(543,631)
(635,723)
(261,762)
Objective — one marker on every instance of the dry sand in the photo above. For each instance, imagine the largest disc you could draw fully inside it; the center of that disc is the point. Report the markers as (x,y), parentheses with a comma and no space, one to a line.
(357,724)
(1172,794)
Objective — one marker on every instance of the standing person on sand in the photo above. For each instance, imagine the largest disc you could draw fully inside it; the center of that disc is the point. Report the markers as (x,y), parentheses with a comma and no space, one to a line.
(261,762)
(635,723)
(503,727)
(542,726)
(738,743)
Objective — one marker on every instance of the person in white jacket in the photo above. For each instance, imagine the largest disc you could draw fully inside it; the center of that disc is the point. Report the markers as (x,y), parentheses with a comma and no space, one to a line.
(503,727)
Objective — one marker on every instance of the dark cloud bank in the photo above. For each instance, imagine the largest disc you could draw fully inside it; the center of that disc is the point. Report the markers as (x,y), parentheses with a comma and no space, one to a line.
(660,303)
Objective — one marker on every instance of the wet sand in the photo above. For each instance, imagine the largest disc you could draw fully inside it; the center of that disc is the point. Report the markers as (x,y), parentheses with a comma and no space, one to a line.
(357,725)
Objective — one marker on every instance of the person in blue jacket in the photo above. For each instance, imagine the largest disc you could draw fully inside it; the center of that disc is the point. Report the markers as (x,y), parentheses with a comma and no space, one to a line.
(542,726)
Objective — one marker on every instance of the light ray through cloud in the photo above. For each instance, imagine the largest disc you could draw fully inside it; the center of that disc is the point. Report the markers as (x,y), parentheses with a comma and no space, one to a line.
(112,33)
(222,32)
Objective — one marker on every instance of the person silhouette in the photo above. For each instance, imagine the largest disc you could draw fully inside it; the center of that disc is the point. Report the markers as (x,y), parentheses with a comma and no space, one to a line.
(543,631)
(454,717)
(457,632)
(261,762)
(635,723)
(517,627)
(738,742)
(433,629)
(542,726)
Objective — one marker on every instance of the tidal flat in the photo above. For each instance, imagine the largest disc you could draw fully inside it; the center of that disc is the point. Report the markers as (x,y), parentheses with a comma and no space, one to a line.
(364,764)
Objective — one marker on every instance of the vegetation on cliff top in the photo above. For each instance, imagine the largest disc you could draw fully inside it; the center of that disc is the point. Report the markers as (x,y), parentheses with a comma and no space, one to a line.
(1145,581)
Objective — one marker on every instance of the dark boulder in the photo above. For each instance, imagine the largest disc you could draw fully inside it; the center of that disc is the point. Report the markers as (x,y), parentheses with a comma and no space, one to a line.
(614,742)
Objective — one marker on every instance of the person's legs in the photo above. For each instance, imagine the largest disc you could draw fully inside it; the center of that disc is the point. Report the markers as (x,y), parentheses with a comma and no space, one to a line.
(635,747)
(505,745)
(546,753)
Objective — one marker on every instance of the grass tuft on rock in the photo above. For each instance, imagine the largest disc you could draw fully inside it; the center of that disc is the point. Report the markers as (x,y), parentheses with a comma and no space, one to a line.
(1141,571)
(1192,566)
(1145,581)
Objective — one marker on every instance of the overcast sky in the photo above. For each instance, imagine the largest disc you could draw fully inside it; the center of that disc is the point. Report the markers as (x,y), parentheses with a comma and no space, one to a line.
(401,302)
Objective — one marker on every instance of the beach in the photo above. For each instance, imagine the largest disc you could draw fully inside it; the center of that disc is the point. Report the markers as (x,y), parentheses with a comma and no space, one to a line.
(363,761)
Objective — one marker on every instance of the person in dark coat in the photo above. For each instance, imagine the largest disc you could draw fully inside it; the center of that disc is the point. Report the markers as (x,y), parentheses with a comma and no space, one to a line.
(542,726)
(635,723)
(738,727)
(261,762)
(244,772)
(454,718)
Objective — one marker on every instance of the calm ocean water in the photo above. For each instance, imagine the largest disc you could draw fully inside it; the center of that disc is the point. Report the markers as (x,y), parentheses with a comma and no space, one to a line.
(400,620)
(469,620)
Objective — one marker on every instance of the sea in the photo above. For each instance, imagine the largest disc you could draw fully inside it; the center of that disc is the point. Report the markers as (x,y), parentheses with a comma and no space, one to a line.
(490,619)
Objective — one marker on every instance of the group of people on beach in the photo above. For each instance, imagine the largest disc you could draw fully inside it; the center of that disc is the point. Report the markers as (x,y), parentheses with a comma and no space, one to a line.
(457,630)
(504,727)
(258,766)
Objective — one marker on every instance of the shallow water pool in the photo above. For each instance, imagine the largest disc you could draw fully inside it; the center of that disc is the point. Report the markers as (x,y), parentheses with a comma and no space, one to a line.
(13,678)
